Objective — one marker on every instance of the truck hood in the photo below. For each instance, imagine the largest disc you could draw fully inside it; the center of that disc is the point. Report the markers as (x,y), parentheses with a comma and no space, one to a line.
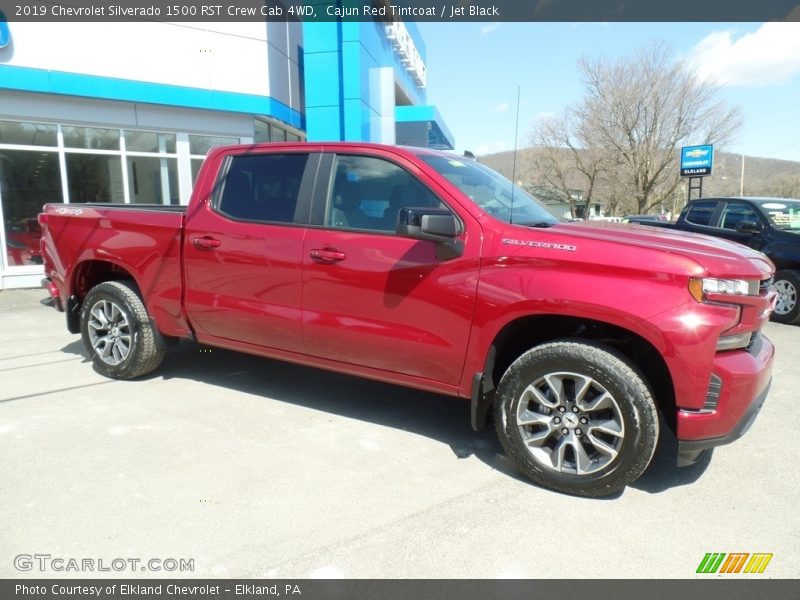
(718,256)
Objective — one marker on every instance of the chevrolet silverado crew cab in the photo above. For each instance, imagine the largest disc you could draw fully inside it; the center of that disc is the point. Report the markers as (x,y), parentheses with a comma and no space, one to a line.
(429,270)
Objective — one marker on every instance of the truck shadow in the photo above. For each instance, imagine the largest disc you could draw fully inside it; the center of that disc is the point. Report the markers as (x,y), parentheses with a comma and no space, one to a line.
(441,418)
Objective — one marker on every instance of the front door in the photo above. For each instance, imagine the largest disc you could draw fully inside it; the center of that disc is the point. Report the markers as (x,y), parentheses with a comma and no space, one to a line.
(375,299)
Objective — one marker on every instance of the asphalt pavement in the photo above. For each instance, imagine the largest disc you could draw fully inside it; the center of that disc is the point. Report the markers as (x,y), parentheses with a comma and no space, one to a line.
(254,468)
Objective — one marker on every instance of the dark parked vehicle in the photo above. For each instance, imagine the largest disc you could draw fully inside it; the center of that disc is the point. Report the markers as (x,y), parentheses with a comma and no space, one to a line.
(769,225)
(641,218)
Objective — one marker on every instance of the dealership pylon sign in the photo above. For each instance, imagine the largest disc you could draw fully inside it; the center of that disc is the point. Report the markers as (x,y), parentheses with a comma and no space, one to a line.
(696,161)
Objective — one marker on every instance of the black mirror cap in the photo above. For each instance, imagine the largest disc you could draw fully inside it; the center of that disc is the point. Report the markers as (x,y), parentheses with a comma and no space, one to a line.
(748,227)
(432,224)
(436,225)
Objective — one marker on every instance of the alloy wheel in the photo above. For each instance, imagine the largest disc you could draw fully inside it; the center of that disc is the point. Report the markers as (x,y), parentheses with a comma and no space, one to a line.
(570,423)
(109,332)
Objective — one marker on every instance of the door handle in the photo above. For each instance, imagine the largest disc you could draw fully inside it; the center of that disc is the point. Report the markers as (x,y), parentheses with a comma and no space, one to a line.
(205,243)
(327,255)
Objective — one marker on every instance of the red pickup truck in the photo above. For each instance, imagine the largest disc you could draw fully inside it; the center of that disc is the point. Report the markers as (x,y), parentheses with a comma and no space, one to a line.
(429,270)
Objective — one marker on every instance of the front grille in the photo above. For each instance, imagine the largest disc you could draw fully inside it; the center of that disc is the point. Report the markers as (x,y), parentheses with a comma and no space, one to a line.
(712,396)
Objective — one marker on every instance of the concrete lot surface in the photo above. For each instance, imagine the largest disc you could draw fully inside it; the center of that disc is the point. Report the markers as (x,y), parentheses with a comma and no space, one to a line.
(255,468)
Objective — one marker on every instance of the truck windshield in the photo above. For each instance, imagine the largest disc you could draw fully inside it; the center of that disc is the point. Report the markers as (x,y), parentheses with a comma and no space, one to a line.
(784,214)
(491,191)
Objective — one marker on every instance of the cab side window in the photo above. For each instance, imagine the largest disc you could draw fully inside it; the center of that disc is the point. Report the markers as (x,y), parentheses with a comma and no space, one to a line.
(700,213)
(735,213)
(263,187)
(366,193)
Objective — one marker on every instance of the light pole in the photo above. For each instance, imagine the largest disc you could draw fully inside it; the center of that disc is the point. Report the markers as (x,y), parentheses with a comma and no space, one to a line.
(741,179)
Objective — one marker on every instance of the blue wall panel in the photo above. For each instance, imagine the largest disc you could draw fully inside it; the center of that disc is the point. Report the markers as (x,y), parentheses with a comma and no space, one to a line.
(339,60)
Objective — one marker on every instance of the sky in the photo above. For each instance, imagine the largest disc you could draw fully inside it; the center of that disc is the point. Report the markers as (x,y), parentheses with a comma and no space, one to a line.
(474,70)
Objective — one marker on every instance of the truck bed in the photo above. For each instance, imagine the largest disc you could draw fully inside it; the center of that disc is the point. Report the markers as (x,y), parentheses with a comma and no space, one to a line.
(80,241)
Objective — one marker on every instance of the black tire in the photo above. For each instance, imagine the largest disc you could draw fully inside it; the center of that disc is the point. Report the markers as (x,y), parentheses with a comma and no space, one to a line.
(563,449)
(787,283)
(117,332)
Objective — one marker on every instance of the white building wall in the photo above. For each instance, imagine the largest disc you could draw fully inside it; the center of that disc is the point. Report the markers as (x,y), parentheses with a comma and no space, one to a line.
(228,57)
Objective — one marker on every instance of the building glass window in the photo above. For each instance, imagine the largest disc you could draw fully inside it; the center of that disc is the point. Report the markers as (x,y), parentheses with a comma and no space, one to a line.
(278,134)
(49,163)
(270,132)
(28,134)
(148,141)
(196,164)
(201,144)
(260,132)
(153,180)
(28,180)
(94,178)
(91,138)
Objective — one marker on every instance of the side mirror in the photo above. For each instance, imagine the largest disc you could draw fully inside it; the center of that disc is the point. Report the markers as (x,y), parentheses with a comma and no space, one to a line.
(436,225)
(748,227)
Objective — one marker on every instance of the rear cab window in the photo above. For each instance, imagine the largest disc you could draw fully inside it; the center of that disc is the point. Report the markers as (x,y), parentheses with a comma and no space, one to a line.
(700,212)
(263,187)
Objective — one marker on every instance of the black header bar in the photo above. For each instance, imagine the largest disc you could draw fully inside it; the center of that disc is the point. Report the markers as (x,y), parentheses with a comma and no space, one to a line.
(405,10)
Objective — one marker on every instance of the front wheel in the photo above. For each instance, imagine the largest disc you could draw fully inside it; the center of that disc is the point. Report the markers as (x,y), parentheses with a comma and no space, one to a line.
(787,308)
(577,418)
(117,332)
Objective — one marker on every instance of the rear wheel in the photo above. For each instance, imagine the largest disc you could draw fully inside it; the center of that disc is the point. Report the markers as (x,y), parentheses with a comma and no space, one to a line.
(117,332)
(787,309)
(577,418)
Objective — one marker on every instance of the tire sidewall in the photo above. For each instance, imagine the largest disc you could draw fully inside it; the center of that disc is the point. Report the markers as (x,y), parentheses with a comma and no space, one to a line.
(633,399)
(112,294)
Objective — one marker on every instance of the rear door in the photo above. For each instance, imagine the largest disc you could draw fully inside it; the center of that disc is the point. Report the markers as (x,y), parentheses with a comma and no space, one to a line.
(244,247)
(375,299)
(702,216)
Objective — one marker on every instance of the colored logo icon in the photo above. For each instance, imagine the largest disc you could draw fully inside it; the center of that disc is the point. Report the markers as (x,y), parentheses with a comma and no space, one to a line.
(735,562)
(5,34)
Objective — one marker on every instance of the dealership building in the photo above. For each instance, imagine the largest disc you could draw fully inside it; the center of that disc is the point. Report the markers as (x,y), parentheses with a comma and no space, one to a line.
(125,112)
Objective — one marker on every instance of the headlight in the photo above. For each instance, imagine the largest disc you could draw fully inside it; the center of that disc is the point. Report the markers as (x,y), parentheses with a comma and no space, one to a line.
(710,285)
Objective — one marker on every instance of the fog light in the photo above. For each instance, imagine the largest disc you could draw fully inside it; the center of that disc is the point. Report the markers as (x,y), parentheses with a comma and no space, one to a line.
(731,342)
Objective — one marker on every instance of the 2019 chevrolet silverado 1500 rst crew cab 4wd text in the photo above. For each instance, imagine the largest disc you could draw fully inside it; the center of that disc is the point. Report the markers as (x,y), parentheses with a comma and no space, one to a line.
(424,269)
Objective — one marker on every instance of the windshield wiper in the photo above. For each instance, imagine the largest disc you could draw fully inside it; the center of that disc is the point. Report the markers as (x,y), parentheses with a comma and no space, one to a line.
(541,224)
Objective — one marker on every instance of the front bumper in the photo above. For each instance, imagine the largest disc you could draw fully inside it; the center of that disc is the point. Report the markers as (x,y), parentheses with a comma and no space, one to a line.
(745,377)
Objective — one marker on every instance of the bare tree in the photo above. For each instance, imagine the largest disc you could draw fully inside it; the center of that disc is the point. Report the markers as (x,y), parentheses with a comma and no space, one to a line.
(642,109)
(565,160)
(621,141)
(550,160)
